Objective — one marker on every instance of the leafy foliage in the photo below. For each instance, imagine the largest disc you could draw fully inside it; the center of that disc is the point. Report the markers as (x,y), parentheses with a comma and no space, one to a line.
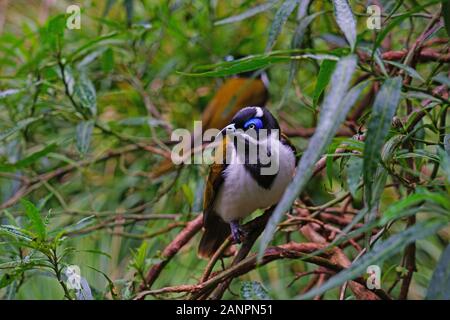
(87,115)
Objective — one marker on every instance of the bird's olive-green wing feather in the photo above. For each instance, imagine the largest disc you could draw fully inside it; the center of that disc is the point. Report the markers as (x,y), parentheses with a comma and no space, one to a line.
(215,229)
(215,178)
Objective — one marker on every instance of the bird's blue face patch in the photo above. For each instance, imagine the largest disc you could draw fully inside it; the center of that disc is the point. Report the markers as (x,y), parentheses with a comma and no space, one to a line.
(253,123)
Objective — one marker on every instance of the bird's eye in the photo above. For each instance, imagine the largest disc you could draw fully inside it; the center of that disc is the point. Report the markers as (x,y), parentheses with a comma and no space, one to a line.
(253,123)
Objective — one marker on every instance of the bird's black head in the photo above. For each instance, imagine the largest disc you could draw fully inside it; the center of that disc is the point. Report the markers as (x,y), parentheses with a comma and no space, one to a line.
(254,118)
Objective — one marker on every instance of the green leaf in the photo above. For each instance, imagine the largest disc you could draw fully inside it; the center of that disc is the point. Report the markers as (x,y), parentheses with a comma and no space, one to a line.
(7,279)
(22,124)
(108,60)
(411,71)
(140,255)
(331,117)
(447,143)
(354,170)
(84,134)
(345,20)
(29,160)
(279,20)
(97,252)
(251,63)
(52,35)
(396,21)
(444,159)
(188,193)
(16,232)
(397,209)
(253,290)
(100,41)
(9,92)
(297,40)
(383,110)
(446,15)
(85,92)
(325,72)
(442,78)
(108,6)
(378,254)
(111,286)
(439,288)
(247,14)
(35,218)
(129,9)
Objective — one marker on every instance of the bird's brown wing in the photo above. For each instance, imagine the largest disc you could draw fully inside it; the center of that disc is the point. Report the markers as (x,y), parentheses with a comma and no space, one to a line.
(232,96)
(215,229)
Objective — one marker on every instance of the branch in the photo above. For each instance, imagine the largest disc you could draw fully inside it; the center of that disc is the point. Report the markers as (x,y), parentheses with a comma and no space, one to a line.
(172,249)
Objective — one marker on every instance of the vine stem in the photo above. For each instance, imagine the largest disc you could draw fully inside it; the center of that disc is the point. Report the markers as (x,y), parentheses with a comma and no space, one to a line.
(53,258)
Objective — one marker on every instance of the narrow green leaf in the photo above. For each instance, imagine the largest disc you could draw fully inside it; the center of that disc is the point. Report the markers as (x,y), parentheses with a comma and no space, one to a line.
(439,288)
(279,20)
(85,92)
(35,218)
(396,21)
(129,9)
(331,117)
(297,40)
(108,6)
(325,72)
(29,160)
(444,159)
(53,33)
(7,279)
(252,63)
(442,78)
(9,92)
(16,232)
(377,255)
(411,71)
(188,193)
(383,110)
(397,209)
(354,170)
(108,60)
(22,124)
(447,143)
(247,14)
(84,134)
(345,20)
(446,15)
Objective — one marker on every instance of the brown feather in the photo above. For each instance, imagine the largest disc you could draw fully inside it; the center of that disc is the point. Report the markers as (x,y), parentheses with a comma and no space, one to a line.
(215,229)
(232,96)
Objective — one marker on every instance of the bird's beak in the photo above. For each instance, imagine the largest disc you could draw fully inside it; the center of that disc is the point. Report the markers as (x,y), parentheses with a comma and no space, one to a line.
(230,128)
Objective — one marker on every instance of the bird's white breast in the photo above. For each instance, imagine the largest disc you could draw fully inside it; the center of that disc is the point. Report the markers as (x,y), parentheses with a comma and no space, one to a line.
(240,194)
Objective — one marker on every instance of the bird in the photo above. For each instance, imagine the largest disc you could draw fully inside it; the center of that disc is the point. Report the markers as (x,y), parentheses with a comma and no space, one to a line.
(242,90)
(235,189)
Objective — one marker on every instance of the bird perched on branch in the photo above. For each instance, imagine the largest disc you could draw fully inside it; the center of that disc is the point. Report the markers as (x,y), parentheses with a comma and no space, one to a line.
(242,90)
(242,181)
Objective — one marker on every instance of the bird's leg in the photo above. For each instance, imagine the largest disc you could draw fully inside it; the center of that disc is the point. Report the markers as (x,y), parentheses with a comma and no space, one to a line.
(236,231)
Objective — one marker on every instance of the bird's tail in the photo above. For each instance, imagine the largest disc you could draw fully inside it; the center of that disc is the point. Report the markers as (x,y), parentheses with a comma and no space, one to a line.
(216,231)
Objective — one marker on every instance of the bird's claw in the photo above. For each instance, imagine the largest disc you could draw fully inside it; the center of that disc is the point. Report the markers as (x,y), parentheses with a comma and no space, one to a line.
(237,232)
